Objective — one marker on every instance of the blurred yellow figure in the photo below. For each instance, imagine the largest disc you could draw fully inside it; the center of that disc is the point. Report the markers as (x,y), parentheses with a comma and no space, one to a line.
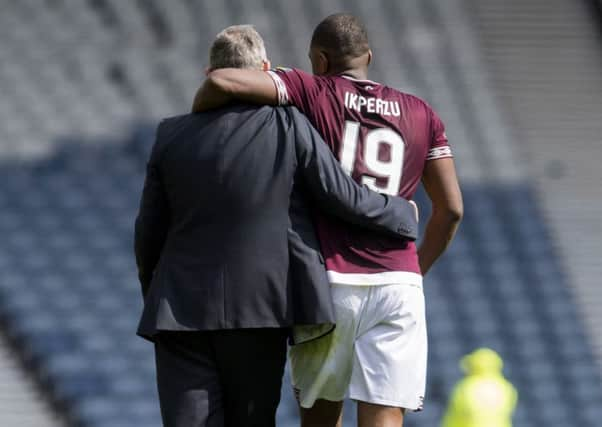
(484,398)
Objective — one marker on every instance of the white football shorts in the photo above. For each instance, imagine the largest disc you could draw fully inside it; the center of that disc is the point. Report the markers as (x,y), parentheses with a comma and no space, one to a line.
(377,352)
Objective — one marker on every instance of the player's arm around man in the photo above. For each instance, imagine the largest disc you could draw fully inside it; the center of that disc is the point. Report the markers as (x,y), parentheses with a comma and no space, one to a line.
(227,84)
(337,194)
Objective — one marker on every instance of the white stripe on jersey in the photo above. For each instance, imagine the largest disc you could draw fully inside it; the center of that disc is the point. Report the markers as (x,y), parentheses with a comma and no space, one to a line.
(375,279)
(439,153)
(283,98)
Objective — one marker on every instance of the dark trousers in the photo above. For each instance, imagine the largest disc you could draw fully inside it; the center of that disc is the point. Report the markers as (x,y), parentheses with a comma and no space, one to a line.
(226,378)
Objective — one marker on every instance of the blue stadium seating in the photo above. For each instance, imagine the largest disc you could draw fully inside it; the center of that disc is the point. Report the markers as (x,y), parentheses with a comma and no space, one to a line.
(70,298)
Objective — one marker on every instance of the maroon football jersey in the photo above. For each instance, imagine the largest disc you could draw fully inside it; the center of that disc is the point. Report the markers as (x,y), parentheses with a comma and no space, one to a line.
(383,139)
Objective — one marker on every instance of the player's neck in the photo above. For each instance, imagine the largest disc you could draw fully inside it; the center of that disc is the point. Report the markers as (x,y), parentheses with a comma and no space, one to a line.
(356,68)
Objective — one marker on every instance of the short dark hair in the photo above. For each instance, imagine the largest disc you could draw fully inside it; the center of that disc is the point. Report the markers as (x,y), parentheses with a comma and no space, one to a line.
(342,35)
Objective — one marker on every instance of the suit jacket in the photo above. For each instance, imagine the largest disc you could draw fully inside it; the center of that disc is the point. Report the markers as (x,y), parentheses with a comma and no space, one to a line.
(213,233)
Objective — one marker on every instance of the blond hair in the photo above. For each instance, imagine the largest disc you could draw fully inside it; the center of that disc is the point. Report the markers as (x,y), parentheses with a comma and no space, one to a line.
(238,46)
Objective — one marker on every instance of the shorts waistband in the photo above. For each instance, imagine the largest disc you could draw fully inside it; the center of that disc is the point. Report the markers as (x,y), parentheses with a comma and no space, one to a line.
(375,279)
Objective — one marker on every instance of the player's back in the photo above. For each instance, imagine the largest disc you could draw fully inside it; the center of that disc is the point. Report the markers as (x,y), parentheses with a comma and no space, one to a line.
(383,138)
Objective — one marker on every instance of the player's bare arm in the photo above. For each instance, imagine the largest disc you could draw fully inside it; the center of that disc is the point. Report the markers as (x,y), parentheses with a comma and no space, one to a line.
(226,84)
(441,184)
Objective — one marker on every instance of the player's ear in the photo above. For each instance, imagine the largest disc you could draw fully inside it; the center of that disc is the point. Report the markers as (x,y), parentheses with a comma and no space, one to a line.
(266,65)
(208,70)
(369,56)
(323,63)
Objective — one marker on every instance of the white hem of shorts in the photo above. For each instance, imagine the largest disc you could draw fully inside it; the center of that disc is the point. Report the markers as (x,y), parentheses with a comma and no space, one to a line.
(375,279)
(384,402)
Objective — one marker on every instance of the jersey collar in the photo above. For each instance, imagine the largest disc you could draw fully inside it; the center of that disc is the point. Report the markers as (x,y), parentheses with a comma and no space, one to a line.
(353,79)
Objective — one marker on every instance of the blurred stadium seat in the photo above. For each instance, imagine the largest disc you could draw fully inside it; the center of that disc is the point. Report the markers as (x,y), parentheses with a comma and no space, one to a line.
(77,113)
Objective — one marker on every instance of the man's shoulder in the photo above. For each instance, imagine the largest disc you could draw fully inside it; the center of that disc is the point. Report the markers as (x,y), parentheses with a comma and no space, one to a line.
(174,119)
(292,117)
(238,109)
(233,115)
(291,112)
(229,110)
(174,122)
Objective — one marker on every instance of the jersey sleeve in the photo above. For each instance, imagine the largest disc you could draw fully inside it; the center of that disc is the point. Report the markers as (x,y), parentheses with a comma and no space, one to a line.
(296,87)
(439,147)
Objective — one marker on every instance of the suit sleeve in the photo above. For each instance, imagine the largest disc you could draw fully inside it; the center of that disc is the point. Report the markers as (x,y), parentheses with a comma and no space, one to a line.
(152,221)
(340,195)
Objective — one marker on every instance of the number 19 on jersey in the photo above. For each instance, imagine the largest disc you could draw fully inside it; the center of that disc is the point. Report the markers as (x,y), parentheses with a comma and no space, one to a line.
(391,169)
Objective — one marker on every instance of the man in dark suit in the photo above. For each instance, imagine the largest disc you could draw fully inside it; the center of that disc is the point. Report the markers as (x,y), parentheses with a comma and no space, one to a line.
(213,242)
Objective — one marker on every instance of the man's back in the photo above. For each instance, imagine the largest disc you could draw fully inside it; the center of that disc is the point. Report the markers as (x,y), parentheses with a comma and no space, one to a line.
(227,177)
(383,138)
(219,170)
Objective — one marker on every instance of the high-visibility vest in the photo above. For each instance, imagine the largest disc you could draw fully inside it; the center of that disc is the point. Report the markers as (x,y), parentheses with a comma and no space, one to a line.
(481,400)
